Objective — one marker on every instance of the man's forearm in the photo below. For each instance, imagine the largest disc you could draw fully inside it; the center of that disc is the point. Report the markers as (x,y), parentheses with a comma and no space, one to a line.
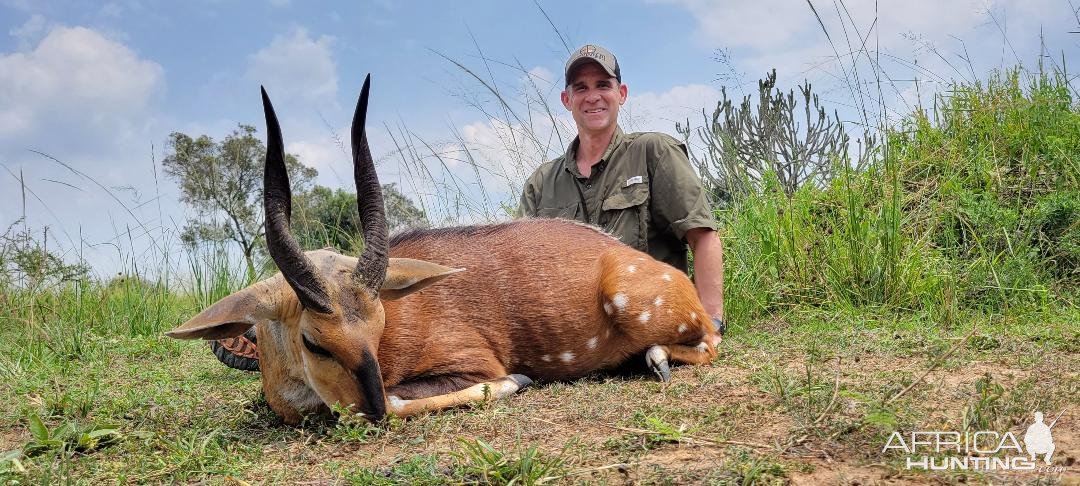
(708,268)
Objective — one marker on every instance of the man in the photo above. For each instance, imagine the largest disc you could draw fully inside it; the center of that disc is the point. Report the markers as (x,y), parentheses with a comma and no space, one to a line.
(638,186)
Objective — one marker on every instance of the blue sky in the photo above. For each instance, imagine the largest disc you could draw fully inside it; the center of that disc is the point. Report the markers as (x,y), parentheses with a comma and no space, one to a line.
(100,86)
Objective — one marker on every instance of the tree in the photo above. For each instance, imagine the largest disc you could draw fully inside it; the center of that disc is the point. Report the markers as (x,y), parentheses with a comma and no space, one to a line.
(741,145)
(329,217)
(400,210)
(222,182)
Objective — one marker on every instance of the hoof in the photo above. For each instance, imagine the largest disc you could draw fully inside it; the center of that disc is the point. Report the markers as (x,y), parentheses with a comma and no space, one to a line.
(521,381)
(662,371)
(657,359)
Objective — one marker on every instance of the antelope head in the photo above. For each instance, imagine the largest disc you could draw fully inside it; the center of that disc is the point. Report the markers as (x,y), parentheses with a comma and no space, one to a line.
(321,318)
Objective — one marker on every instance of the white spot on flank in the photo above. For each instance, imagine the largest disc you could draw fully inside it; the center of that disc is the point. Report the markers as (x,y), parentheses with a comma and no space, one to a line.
(591,343)
(682,328)
(631,269)
(644,317)
(567,356)
(620,300)
(640,259)
(608,309)
(659,301)
(670,312)
(693,316)
(545,358)
(666,277)
(702,347)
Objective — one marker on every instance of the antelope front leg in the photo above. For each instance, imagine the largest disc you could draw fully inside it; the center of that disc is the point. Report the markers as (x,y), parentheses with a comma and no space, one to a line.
(658,356)
(490,390)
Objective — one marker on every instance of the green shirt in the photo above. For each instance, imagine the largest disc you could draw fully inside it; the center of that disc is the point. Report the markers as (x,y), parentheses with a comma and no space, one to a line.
(642,191)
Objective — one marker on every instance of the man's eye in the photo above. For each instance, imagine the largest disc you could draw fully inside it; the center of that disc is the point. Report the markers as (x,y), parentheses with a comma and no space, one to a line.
(314,348)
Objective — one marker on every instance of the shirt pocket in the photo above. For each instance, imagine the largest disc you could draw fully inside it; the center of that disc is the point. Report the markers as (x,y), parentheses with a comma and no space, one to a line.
(565,212)
(626,215)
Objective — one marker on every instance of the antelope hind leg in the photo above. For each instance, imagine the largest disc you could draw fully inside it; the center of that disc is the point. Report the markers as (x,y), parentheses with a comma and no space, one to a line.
(490,390)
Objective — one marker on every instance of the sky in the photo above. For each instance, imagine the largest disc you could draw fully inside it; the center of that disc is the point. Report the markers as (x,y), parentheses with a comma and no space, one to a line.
(90,91)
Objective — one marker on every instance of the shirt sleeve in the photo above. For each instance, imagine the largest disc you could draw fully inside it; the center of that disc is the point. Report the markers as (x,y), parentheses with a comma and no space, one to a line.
(529,194)
(678,201)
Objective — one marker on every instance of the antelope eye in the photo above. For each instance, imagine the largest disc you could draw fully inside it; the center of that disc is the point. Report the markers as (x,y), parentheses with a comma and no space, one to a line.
(314,348)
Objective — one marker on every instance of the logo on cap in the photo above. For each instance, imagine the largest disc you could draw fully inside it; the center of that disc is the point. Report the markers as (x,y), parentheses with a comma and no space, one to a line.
(590,51)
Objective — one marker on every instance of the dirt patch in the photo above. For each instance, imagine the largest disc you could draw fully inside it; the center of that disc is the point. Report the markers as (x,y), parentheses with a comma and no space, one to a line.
(13,438)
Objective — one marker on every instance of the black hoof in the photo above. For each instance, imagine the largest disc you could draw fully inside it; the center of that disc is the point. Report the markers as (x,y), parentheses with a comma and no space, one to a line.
(662,370)
(521,381)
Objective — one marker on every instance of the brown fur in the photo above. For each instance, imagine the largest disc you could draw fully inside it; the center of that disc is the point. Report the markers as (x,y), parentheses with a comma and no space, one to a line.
(532,288)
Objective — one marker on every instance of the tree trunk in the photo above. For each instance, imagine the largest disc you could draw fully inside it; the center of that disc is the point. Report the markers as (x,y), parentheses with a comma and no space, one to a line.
(250,264)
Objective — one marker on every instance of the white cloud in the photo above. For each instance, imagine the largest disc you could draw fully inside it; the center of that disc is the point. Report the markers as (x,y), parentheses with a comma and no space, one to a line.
(542,76)
(324,155)
(29,31)
(88,100)
(75,81)
(660,111)
(297,68)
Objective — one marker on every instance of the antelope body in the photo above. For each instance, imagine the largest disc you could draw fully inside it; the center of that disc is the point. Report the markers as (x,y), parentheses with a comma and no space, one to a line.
(538,299)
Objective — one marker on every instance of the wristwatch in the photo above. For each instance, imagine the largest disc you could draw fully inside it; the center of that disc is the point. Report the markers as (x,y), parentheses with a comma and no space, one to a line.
(720,325)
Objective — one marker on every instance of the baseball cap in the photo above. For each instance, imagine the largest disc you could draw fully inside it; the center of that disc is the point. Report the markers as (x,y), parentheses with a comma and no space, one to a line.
(593,53)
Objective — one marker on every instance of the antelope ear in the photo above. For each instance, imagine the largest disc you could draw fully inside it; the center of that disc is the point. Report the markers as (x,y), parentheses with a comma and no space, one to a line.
(406,275)
(230,316)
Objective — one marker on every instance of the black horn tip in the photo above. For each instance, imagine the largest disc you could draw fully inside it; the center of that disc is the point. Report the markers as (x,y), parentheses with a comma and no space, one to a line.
(265,97)
(360,115)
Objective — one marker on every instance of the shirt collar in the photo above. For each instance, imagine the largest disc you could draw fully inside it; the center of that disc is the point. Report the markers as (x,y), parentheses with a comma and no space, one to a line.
(570,164)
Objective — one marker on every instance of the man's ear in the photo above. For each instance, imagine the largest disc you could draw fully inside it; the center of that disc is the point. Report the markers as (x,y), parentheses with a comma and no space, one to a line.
(232,315)
(406,275)
(624,90)
(565,97)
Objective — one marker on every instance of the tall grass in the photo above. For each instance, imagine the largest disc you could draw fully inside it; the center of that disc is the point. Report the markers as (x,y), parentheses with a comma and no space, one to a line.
(973,206)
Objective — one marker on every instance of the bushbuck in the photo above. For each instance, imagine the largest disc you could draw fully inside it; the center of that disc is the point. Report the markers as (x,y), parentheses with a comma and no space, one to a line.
(528,299)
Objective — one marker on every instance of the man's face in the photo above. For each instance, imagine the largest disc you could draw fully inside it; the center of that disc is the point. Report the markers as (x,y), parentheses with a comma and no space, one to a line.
(594,97)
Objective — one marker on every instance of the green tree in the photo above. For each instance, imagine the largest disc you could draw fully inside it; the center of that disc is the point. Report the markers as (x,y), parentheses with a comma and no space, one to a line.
(329,217)
(222,182)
